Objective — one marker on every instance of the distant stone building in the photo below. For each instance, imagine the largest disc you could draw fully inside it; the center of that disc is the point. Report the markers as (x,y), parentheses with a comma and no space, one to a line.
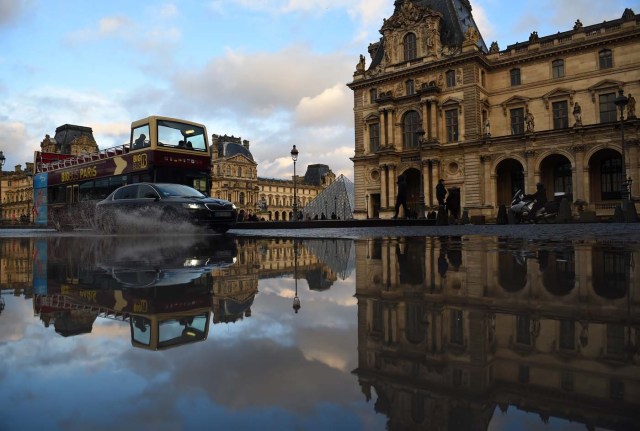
(434,102)
(70,139)
(234,175)
(17,195)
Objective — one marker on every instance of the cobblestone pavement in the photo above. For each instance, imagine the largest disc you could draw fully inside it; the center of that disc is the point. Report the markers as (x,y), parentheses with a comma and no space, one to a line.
(615,232)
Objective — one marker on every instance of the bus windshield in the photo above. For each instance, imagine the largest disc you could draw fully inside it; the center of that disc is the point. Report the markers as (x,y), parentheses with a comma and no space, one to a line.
(179,135)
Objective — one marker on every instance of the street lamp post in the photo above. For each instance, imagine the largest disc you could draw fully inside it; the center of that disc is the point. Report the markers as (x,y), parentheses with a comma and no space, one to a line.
(2,160)
(628,206)
(294,157)
(420,134)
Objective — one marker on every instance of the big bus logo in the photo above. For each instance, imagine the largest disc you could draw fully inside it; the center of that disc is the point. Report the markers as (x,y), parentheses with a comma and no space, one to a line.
(78,174)
(140,161)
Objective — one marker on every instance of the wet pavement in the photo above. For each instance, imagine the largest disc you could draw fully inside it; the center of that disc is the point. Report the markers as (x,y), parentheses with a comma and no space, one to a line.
(495,327)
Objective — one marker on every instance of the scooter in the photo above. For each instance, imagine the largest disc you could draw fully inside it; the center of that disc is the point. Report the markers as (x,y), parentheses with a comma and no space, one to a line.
(521,209)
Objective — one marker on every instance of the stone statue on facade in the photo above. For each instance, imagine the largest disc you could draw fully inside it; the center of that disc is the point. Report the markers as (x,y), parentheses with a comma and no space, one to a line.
(631,107)
(577,114)
(529,121)
(360,65)
(487,127)
(494,47)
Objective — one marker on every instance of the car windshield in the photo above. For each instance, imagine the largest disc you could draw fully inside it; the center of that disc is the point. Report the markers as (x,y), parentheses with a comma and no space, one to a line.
(168,190)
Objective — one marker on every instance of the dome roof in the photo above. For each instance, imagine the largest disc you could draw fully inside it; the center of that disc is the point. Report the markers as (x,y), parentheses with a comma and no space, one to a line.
(230,149)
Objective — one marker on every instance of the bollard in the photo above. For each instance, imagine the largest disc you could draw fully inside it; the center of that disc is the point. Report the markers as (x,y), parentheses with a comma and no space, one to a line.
(441,219)
(502,215)
(564,212)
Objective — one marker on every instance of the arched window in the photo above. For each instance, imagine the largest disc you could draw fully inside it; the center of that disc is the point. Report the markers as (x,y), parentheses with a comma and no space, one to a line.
(410,48)
(410,125)
(241,198)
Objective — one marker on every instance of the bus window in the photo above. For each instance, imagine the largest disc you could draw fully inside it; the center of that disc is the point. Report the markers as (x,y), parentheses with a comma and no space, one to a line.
(141,330)
(87,190)
(72,194)
(140,137)
(178,135)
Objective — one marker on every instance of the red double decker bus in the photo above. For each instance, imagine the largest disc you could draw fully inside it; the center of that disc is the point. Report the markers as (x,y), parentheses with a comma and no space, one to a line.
(160,149)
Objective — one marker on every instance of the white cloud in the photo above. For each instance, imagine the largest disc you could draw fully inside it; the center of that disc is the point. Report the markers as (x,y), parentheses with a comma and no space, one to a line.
(331,107)
(168,10)
(112,24)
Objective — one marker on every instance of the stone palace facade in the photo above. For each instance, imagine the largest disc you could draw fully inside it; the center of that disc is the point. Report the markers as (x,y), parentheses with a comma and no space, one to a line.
(434,102)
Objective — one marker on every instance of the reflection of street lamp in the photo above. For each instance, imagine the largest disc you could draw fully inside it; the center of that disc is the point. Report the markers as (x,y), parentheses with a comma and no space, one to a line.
(366,203)
(294,157)
(296,300)
(2,160)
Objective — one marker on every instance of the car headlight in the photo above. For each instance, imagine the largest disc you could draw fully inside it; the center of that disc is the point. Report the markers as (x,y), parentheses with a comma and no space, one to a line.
(233,206)
(193,206)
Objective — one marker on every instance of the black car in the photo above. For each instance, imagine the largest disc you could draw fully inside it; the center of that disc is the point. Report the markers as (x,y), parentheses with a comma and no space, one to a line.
(151,205)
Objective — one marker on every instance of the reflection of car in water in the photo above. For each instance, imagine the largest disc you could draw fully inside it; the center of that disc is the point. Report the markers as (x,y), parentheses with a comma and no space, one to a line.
(163,289)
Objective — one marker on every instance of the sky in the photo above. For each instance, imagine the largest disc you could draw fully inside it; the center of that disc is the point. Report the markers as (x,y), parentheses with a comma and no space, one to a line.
(273,72)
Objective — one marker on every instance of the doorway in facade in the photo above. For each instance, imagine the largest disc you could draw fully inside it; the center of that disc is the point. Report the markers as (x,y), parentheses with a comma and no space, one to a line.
(412,176)
(556,176)
(510,179)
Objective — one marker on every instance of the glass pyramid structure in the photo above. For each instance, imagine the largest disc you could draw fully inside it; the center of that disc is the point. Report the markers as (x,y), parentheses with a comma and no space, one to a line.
(337,198)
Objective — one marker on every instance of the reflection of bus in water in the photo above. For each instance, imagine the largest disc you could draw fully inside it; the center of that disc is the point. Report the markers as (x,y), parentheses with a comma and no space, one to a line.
(160,149)
(162,287)
(159,318)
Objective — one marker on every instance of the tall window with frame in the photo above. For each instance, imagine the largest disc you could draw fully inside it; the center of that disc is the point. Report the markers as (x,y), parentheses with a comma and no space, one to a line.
(410,125)
(515,77)
(557,68)
(409,87)
(608,109)
(560,115)
(410,47)
(373,95)
(517,121)
(562,181)
(451,119)
(610,178)
(451,78)
(605,59)
(374,137)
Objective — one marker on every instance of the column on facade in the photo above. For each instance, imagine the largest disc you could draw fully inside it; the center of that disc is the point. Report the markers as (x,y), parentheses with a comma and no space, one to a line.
(383,126)
(384,186)
(533,176)
(425,174)
(577,174)
(435,175)
(485,185)
(433,109)
(392,129)
(425,119)
(634,170)
(393,185)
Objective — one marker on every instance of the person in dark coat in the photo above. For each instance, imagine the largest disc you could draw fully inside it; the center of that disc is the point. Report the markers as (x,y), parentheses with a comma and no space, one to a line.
(539,197)
(441,192)
(401,199)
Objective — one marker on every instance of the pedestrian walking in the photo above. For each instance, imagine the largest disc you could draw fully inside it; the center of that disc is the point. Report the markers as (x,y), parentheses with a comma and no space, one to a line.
(441,192)
(401,199)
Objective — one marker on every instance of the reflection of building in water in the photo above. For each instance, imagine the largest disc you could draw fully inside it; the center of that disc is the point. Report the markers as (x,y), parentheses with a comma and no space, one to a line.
(450,330)
(16,265)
